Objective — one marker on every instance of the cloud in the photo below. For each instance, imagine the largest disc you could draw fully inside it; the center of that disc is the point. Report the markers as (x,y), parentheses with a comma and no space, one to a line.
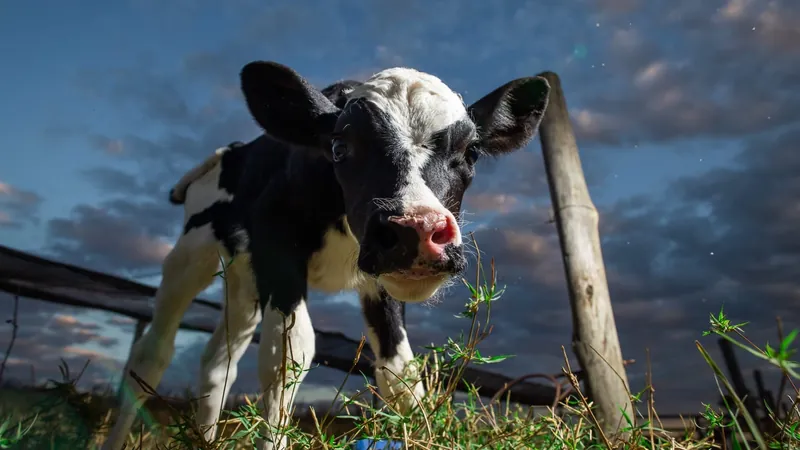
(774,23)
(122,322)
(18,207)
(676,77)
(116,235)
(178,124)
(106,144)
(147,94)
(618,6)
(486,202)
(48,333)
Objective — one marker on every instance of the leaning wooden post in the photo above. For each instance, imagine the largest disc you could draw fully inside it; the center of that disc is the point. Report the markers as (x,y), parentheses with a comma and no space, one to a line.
(736,376)
(594,338)
(137,333)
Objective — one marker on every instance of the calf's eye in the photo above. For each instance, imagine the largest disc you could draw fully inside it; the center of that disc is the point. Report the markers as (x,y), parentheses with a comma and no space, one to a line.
(472,153)
(339,150)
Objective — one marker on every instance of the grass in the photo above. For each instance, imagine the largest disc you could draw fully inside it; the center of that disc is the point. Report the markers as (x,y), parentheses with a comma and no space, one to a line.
(57,416)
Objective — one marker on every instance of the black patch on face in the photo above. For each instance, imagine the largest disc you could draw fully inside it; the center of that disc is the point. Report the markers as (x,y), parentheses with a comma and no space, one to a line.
(455,137)
(455,263)
(374,170)
(450,169)
(375,167)
(387,246)
(448,173)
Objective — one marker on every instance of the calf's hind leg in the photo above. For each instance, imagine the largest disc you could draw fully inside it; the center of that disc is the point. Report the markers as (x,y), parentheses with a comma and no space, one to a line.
(186,271)
(219,365)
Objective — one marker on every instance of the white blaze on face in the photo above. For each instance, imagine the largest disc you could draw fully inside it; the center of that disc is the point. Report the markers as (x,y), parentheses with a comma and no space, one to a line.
(418,105)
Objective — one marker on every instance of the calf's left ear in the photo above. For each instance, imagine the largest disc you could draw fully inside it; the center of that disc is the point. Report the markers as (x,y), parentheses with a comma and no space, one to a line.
(285,105)
(508,117)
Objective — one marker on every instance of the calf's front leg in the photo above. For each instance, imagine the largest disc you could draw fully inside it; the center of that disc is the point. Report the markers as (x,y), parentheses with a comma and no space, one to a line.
(287,343)
(398,377)
(284,356)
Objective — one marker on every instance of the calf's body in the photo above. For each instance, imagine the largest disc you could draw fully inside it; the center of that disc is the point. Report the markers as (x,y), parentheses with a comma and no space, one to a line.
(355,187)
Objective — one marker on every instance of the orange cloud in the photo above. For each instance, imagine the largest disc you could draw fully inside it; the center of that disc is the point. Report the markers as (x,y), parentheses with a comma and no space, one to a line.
(483,202)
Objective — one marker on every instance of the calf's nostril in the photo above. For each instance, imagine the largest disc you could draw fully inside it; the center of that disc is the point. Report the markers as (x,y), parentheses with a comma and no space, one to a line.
(386,236)
(443,236)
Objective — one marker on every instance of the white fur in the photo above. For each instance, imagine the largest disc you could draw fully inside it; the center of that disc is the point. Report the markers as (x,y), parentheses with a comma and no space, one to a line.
(178,192)
(419,104)
(278,390)
(334,268)
(395,375)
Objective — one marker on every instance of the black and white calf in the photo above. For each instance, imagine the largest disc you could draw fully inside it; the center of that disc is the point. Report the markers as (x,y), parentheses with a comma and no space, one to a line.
(358,186)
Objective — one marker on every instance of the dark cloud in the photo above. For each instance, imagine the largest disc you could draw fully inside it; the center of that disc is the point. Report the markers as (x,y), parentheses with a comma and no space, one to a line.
(618,6)
(110,180)
(48,333)
(686,69)
(730,230)
(136,226)
(520,178)
(106,144)
(18,207)
(122,322)
(144,94)
(115,235)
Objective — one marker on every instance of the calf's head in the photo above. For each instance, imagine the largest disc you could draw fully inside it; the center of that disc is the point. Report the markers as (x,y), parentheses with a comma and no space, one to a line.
(403,146)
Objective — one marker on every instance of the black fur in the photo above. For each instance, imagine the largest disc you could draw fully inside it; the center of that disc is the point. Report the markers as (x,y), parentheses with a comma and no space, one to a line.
(386,316)
(276,214)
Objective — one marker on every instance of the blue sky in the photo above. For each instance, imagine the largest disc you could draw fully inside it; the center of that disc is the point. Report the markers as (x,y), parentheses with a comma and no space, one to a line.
(686,114)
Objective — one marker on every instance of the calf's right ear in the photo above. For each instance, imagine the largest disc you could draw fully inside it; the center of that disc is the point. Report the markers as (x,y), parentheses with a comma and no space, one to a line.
(285,105)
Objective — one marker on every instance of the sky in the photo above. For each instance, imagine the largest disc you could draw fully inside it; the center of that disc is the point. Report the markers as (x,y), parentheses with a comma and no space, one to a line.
(687,116)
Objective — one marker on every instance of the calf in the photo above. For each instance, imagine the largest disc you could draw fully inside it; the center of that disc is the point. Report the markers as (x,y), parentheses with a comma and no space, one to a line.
(358,186)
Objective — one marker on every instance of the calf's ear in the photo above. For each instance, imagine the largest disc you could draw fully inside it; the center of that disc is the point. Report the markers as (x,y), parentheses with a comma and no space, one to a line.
(285,105)
(508,117)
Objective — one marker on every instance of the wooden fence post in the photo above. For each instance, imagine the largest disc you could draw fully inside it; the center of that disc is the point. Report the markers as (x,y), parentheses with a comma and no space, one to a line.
(594,339)
(736,376)
(137,333)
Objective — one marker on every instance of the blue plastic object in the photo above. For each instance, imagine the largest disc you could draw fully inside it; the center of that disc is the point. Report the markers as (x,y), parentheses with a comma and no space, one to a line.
(379,444)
